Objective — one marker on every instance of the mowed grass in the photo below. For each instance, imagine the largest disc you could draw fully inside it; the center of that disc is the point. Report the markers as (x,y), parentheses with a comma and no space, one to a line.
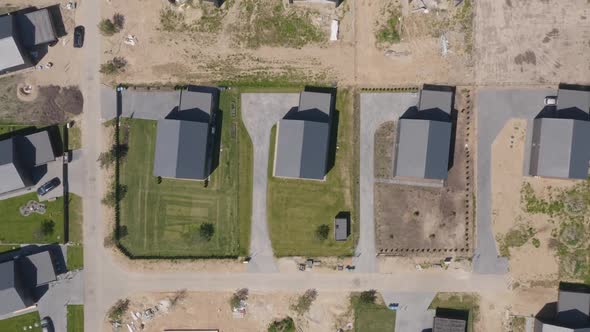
(163,219)
(297,207)
(75,318)
(15,228)
(372,317)
(76,218)
(19,323)
(75,259)
(459,301)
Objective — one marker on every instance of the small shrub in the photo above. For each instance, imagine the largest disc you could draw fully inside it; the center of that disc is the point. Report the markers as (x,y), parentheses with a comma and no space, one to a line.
(47,227)
(159,179)
(123,231)
(536,243)
(107,27)
(368,297)
(239,296)
(114,66)
(118,310)
(285,325)
(171,20)
(118,21)
(178,296)
(305,301)
(322,232)
(389,32)
(111,198)
(206,231)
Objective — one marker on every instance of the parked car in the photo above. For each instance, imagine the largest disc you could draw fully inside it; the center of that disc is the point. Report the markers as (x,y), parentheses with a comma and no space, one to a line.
(393,306)
(47,325)
(48,186)
(78,36)
(550,100)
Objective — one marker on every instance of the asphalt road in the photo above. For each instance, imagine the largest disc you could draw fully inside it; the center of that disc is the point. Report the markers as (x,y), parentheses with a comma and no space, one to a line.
(494,108)
(261,111)
(376,108)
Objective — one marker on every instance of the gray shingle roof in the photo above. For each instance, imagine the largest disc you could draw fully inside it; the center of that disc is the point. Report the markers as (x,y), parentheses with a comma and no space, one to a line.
(449,325)
(13,296)
(303,138)
(42,150)
(10,54)
(431,98)
(341,229)
(182,149)
(573,308)
(36,28)
(560,148)
(569,98)
(43,266)
(302,149)
(422,149)
(13,175)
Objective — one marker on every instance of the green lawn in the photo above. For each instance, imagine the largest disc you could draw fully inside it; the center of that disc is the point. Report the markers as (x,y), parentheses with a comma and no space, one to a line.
(297,207)
(75,258)
(163,219)
(19,322)
(8,128)
(76,218)
(75,138)
(459,301)
(15,228)
(372,317)
(75,318)
(5,248)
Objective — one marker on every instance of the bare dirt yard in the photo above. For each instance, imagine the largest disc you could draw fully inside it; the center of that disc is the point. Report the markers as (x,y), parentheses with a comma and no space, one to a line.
(381,43)
(208,310)
(417,220)
(532,41)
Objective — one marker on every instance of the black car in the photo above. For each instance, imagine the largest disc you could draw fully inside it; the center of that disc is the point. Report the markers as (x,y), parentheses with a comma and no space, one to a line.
(48,186)
(78,36)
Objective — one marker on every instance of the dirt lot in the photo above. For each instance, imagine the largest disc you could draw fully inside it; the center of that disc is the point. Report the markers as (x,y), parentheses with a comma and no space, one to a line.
(206,310)
(234,43)
(532,41)
(421,220)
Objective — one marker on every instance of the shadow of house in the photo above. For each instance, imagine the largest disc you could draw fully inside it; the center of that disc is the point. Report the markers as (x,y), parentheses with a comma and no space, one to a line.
(560,136)
(306,144)
(425,136)
(25,36)
(571,312)
(25,275)
(188,136)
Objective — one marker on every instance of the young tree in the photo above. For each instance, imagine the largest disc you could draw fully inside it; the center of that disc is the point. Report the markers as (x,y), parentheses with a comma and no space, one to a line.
(322,232)
(285,325)
(107,27)
(206,231)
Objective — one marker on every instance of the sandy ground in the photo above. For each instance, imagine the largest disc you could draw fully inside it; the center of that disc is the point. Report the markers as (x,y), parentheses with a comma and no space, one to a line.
(532,41)
(354,59)
(212,311)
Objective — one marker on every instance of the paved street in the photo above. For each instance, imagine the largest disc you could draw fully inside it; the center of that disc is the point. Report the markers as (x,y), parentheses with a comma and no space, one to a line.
(260,112)
(494,108)
(376,108)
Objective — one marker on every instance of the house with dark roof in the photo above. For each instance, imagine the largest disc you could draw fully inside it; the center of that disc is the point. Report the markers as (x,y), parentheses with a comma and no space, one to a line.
(423,139)
(20,34)
(184,137)
(560,136)
(450,320)
(572,313)
(20,156)
(303,138)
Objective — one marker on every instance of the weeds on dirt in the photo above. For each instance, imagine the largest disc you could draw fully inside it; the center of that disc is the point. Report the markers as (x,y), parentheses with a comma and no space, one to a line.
(107,27)
(514,238)
(518,324)
(237,299)
(389,32)
(172,20)
(118,310)
(261,23)
(305,301)
(571,238)
(114,66)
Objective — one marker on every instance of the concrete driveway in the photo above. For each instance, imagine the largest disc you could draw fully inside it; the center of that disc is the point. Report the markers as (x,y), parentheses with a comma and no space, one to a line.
(261,111)
(413,313)
(376,108)
(141,104)
(494,108)
(68,289)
